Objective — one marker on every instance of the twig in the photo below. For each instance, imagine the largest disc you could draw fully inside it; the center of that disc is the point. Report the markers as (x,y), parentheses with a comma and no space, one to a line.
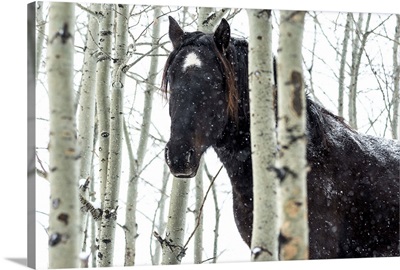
(201,208)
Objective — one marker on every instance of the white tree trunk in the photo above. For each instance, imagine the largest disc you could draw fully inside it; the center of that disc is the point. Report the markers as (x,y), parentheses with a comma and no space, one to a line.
(264,242)
(217,215)
(102,91)
(64,224)
(148,102)
(86,106)
(396,79)
(358,50)
(349,22)
(292,137)
(172,246)
(202,23)
(199,199)
(130,226)
(111,196)
(40,34)
(161,213)
(209,18)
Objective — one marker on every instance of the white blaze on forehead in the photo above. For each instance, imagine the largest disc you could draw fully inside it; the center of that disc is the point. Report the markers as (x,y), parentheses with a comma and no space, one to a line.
(191,60)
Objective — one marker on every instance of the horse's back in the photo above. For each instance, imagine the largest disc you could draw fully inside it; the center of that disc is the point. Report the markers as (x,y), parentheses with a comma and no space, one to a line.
(354,196)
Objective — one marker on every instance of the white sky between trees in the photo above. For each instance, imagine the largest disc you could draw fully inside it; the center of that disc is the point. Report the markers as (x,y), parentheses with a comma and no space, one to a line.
(231,240)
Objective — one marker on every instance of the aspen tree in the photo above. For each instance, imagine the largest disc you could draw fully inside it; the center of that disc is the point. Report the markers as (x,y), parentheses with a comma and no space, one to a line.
(359,41)
(292,162)
(155,259)
(111,195)
(199,200)
(102,91)
(264,242)
(342,69)
(86,110)
(173,245)
(40,34)
(64,219)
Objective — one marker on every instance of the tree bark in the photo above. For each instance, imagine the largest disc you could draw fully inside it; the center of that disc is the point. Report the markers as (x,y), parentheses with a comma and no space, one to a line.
(396,79)
(64,218)
(342,68)
(202,23)
(41,25)
(358,50)
(161,213)
(86,106)
(111,196)
(87,97)
(172,246)
(102,91)
(264,242)
(209,18)
(291,165)
(217,215)
(199,193)
(130,226)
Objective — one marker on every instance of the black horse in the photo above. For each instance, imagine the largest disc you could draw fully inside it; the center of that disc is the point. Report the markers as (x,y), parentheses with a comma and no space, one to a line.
(353,184)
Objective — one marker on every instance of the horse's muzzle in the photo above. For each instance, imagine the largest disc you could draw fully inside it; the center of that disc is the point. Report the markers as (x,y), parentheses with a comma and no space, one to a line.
(181,159)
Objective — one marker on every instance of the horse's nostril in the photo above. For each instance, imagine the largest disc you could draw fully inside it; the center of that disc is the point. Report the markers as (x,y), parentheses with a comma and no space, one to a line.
(167,159)
(189,155)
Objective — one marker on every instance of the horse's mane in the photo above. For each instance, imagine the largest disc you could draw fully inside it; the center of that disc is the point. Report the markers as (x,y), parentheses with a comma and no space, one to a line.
(319,120)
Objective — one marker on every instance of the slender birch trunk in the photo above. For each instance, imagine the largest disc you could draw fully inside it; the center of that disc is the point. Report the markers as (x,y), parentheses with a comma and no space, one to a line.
(86,107)
(93,223)
(358,50)
(161,213)
(342,68)
(148,102)
(199,198)
(202,24)
(173,245)
(131,224)
(217,215)
(264,242)
(102,91)
(64,226)
(292,138)
(40,33)
(396,79)
(111,196)
(87,98)
(354,74)
(209,18)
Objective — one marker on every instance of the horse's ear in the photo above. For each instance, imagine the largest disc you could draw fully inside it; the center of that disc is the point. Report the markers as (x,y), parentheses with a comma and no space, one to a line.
(222,35)
(175,33)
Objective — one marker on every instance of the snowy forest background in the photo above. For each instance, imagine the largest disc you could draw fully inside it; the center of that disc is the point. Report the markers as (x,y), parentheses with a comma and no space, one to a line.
(372,41)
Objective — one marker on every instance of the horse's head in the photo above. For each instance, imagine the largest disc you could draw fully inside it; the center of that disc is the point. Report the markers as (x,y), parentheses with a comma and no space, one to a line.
(201,94)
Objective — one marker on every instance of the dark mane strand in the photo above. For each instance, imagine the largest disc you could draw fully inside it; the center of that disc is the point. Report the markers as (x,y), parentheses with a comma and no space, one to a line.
(229,75)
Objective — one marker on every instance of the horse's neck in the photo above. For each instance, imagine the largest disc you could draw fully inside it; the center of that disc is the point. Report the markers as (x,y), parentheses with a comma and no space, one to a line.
(234,148)
(234,151)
